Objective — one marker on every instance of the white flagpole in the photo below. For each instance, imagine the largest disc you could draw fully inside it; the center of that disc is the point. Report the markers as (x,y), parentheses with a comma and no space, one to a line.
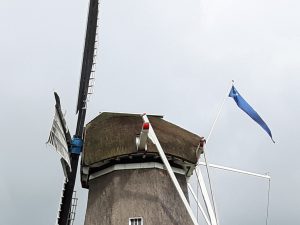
(206,161)
(218,114)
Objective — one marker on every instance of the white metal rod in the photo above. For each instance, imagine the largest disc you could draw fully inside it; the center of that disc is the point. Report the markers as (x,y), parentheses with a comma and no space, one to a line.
(235,170)
(207,140)
(170,171)
(206,198)
(198,204)
(218,114)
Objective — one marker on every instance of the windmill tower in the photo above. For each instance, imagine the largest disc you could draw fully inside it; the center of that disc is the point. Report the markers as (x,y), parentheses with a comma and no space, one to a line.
(125,175)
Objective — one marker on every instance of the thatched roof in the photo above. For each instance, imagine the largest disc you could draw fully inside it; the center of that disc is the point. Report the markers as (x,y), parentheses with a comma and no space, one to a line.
(111,135)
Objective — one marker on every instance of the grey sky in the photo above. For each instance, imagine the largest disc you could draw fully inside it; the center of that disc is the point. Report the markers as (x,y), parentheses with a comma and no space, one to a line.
(169,57)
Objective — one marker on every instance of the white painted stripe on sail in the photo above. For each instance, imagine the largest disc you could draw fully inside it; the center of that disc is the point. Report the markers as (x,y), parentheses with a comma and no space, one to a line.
(58,140)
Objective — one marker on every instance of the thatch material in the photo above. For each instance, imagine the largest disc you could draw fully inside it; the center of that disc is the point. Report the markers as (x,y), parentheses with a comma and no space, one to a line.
(111,135)
(147,193)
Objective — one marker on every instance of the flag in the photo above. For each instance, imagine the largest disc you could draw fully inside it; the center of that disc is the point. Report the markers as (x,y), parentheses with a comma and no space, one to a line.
(243,105)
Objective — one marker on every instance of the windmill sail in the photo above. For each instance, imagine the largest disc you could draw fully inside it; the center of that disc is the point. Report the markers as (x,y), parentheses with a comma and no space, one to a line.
(87,78)
(85,89)
(58,140)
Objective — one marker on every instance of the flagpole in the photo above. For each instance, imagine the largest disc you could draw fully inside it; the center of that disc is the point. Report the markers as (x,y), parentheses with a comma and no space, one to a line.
(218,114)
(205,158)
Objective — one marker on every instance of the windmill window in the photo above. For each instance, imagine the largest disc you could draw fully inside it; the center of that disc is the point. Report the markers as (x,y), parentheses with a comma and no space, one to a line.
(136,221)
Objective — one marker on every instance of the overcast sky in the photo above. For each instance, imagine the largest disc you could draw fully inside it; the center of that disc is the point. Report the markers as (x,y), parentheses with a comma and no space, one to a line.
(170,57)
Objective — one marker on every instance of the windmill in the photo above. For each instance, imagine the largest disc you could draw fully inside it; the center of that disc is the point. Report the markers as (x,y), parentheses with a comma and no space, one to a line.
(130,170)
(70,147)
(144,150)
